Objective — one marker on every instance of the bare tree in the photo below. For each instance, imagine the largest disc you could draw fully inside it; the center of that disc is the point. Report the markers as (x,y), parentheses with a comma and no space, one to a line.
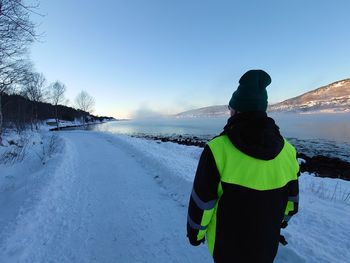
(11,76)
(85,102)
(34,91)
(56,95)
(16,28)
(16,33)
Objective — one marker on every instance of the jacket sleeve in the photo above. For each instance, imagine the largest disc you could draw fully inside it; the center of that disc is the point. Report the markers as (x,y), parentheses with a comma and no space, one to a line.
(203,197)
(293,201)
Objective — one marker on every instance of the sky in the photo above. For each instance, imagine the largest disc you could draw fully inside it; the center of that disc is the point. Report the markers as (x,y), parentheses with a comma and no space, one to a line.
(142,57)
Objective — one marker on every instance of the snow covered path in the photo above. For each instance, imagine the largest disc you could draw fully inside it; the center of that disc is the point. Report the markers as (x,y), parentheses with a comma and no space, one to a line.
(113,198)
(104,207)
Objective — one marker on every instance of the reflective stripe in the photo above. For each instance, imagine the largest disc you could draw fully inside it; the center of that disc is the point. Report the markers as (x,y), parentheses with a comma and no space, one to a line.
(287,218)
(289,208)
(194,225)
(202,205)
(294,199)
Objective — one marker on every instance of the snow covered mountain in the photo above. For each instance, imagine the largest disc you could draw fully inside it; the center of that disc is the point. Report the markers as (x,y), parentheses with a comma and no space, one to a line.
(334,97)
(211,111)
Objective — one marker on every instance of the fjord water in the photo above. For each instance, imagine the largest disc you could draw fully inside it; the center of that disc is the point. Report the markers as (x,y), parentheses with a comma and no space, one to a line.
(328,127)
(311,134)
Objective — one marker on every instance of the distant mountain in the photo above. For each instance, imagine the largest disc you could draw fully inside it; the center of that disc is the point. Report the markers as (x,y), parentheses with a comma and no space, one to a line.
(211,111)
(334,97)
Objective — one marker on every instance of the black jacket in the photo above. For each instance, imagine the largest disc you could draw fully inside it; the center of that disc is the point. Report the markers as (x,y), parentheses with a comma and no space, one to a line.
(248,221)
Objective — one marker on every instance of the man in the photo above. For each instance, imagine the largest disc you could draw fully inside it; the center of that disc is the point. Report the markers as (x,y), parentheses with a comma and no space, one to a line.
(246,184)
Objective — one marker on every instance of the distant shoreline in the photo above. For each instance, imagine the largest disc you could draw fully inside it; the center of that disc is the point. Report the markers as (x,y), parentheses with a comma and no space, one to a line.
(68,127)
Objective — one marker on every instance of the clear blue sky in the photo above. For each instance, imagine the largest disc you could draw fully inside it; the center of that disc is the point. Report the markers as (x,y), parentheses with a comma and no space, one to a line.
(174,55)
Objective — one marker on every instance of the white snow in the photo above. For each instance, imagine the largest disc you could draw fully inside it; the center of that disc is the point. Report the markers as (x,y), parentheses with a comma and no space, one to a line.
(113,198)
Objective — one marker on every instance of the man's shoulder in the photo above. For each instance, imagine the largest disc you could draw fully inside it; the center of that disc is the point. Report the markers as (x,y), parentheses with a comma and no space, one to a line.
(288,145)
(218,141)
(217,138)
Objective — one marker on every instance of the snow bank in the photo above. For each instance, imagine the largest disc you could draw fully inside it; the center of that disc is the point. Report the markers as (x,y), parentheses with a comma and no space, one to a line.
(320,231)
(23,184)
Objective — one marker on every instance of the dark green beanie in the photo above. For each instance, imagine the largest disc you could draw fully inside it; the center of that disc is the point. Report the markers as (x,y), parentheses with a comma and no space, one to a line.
(251,93)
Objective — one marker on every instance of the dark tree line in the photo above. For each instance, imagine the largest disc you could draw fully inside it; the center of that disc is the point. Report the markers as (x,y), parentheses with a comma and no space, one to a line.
(18,111)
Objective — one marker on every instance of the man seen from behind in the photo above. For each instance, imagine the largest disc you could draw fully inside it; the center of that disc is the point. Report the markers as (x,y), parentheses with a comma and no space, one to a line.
(246,184)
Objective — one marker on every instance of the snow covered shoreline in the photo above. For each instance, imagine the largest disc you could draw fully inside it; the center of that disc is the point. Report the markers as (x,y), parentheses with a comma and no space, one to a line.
(99,195)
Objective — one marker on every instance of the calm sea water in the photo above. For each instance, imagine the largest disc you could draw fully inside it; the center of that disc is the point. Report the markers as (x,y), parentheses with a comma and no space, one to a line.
(312,134)
(330,127)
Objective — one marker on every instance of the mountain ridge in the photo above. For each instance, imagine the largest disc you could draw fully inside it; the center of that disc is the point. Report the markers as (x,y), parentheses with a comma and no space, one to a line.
(331,98)
(334,97)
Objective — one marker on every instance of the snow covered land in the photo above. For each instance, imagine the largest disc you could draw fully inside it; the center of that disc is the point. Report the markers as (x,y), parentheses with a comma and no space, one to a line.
(82,196)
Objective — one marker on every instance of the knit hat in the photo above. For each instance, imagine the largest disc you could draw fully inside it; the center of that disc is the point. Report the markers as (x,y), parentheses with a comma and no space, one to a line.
(251,93)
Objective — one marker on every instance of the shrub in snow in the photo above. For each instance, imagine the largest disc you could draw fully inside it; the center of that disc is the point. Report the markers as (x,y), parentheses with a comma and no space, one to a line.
(328,189)
(16,152)
(48,148)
